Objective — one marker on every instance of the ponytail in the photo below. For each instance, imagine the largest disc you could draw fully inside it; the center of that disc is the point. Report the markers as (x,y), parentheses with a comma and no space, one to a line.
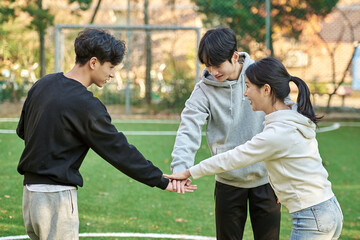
(271,71)
(303,100)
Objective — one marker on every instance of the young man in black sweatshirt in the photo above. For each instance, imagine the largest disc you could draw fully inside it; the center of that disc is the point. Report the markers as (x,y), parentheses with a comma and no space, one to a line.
(59,122)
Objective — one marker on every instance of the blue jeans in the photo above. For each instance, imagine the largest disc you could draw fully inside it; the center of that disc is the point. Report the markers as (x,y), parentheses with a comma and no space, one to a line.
(322,221)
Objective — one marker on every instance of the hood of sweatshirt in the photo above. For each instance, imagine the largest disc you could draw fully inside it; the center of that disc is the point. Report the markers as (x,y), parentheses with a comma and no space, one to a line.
(211,80)
(291,117)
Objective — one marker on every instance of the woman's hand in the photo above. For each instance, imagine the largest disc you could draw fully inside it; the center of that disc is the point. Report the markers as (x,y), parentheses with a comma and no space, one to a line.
(179,175)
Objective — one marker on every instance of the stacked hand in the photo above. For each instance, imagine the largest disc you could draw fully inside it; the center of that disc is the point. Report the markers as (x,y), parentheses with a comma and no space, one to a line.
(180,182)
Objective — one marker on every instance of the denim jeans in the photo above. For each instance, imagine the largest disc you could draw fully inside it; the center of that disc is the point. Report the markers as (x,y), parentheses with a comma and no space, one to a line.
(322,221)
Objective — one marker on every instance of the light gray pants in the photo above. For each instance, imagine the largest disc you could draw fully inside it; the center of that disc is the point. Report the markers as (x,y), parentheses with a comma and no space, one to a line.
(51,215)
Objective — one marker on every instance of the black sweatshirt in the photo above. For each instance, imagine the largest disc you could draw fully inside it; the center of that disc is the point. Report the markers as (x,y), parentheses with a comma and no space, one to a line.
(59,122)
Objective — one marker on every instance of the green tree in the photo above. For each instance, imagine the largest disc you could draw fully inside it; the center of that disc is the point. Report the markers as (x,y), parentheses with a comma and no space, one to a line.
(6,11)
(247,17)
(148,83)
(41,19)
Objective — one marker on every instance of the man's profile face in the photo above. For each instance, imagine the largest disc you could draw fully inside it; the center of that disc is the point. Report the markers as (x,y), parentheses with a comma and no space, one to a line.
(102,73)
(227,70)
(222,72)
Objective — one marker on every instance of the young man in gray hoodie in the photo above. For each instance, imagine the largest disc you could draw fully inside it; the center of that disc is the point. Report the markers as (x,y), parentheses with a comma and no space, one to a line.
(218,100)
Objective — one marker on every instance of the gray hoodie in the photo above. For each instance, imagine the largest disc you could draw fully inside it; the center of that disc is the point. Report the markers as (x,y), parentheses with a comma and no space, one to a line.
(230,122)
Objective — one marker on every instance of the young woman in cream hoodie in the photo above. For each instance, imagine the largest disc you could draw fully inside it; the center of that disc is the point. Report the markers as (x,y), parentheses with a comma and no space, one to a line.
(289,150)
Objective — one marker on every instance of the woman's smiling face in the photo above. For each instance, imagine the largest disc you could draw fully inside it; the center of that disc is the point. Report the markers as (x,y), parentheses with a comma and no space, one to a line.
(254,94)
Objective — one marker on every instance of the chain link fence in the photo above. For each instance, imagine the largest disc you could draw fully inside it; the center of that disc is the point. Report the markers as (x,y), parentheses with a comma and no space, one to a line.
(173,71)
(316,41)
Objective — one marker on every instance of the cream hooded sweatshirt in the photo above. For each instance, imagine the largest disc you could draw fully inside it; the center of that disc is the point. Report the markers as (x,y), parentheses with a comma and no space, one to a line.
(290,152)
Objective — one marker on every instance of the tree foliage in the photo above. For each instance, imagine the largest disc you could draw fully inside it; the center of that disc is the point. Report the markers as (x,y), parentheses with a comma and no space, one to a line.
(41,19)
(247,17)
(83,4)
(6,10)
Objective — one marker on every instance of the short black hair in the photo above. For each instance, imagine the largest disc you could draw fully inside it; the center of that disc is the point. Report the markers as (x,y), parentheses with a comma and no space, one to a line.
(100,44)
(216,46)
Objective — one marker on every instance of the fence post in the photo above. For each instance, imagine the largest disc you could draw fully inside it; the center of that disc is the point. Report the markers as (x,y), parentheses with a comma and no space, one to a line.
(268,28)
(57,48)
(127,90)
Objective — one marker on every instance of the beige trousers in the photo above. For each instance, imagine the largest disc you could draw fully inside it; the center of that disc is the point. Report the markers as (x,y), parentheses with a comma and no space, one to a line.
(51,215)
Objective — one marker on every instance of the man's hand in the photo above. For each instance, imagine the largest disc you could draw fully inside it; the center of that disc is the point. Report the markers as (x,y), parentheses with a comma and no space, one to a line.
(180,186)
(181,182)
(169,187)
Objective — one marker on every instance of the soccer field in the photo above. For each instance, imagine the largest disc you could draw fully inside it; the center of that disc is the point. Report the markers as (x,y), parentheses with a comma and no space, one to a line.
(111,202)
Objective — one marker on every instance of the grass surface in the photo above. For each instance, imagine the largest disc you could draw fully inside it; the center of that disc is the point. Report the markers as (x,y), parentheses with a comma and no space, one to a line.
(113,202)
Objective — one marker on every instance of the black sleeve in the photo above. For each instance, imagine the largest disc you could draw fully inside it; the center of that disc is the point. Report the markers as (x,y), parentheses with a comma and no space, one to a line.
(20,126)
(105,140)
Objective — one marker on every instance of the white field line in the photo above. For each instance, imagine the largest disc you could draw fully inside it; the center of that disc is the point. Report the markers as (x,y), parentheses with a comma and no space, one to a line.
(7,131)
(152,133)
(337,125)
(159,121)
(9,119)
(126,133)
(138,235)
(143,121)
(328,128)
(332,127)
(350,124)
(147,133)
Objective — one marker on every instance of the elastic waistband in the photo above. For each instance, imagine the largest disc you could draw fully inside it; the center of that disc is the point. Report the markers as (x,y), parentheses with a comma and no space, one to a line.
(33,178)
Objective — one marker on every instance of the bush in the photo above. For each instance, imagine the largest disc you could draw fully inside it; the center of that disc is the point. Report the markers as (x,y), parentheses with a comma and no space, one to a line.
(110,94)
(13,92)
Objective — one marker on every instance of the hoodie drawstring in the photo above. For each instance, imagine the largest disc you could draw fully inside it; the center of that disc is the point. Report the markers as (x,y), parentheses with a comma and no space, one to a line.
(243,88)
(231,97)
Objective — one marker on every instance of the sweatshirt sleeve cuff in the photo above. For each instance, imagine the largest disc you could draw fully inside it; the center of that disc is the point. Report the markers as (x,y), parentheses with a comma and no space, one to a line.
(163,183)
(195,171)
(179,168)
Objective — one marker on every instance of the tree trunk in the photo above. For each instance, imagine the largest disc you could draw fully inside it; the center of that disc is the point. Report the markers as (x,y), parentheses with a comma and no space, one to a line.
(148,89)
(42,59)
(95,12)
(341,81)
(334,61)
(269,44)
